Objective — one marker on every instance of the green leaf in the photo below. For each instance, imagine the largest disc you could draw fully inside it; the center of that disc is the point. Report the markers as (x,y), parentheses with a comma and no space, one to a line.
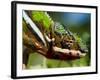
(42,17)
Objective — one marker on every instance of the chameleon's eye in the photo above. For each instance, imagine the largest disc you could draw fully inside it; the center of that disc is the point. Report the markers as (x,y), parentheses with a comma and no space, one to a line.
(77,54)
(71,41)
(70,53)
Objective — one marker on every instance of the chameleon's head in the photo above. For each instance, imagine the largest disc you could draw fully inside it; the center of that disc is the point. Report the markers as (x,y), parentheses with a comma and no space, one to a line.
(76,51)
(70,41)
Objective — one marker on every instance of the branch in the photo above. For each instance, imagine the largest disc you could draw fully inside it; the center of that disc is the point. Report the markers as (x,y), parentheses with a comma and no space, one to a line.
(54,53)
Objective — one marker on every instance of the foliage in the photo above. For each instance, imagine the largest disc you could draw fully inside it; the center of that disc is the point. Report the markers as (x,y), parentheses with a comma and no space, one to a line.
(40,16)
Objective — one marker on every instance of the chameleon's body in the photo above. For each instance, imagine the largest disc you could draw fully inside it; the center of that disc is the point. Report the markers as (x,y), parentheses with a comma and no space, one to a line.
(31,42)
